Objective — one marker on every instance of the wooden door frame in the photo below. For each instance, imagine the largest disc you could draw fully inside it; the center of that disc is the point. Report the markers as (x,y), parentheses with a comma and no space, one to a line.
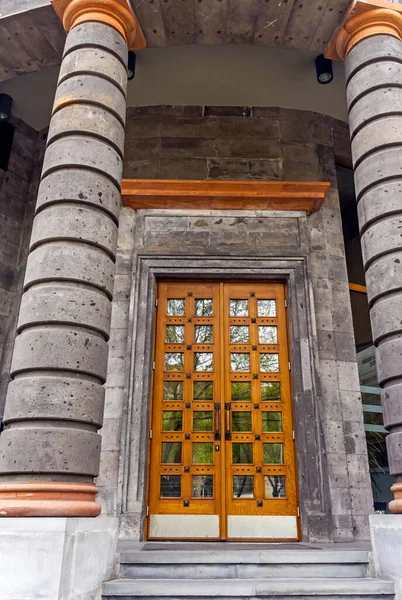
(223,516)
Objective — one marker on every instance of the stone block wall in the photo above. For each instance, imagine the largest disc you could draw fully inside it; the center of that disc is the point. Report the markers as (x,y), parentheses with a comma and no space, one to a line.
(18,189)
(190,142)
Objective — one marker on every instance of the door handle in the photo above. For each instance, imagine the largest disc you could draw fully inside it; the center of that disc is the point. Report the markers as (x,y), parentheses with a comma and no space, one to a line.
(228,435)
(217,421)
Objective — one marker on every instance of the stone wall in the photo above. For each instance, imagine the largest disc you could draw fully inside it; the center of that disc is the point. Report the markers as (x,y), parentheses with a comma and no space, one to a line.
(18,188)
(243,143)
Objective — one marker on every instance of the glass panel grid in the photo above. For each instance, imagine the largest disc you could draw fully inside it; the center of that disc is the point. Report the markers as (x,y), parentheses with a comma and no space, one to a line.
(203,361)
(238,308)
(203,307)
(266,308)
(271,422)
(269,363)
(202,486)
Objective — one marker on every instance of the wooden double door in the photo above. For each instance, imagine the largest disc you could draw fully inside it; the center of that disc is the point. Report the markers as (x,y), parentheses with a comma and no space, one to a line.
(222,450)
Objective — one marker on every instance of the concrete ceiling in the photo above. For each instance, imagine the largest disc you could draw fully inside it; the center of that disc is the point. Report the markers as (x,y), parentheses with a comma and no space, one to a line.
(231,75)
(32,39)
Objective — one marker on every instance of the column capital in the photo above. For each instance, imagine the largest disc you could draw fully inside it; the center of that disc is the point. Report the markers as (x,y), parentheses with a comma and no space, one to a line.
(363,19)
(115,13)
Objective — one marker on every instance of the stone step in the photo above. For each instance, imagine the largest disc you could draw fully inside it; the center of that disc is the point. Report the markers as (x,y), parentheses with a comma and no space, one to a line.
(286,589)
(240,564)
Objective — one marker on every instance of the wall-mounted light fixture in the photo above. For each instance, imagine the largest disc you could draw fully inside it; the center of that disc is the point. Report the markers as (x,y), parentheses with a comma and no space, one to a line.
(6,130)
(131,65)
(323,67)
(6,103)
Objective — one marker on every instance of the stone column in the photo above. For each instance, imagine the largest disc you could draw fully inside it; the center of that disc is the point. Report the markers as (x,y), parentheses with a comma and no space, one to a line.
(370,42)
(50,448)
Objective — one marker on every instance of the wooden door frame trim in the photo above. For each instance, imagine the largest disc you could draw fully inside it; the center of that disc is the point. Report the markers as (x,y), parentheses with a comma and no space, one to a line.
(223,195)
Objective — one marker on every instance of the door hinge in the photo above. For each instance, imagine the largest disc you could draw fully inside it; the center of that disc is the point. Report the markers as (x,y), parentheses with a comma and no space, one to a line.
(298,512)
(153,366)
(289,367)
(147,511)
(286,303)
(293,435)
(156,301)
(150,434)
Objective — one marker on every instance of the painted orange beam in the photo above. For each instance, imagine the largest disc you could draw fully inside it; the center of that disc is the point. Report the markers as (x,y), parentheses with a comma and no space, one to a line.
(222,195)
(356,287)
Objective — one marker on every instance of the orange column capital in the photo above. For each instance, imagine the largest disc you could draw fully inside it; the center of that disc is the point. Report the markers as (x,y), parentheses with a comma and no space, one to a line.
(115,13)
(363,19)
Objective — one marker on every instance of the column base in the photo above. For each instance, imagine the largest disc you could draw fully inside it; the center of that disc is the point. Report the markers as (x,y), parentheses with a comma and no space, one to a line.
(395,506)
(48,499)
(386,541)
(57,558)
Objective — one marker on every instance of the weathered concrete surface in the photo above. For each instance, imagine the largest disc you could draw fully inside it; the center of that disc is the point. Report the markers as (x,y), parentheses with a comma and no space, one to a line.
(373,72)
(56,558)
(386,542)
(65,315)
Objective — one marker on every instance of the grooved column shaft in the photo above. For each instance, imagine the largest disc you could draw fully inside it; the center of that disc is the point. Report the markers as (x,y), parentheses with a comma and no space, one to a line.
(55,402)
(374,78)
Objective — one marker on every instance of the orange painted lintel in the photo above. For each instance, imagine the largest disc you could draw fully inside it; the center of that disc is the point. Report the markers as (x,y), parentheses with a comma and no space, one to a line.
(356,287)
(223,195)
(356,8)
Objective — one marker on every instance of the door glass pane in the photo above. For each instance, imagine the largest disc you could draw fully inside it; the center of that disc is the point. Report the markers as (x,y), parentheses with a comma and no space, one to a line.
(175,307)
(203,453)
(239,362)
(241,421)
(269,363)
(175,334)
(270,390)
(266,308)
(203,390)
(267,335)
(202,420)
(243,486)
(173,390)
(171,452)
(274,486)
(203,334)
(203,307)
(202,486)
(241,390)
(203,361)
(172,420)
(242,453)
(239,334)
(271,421)
(239,308)
(273,454)
(174,361)
(170,486)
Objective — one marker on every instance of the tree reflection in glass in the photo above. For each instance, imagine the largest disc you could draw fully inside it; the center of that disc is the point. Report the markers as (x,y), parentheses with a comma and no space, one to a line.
(174,361)
(239,362)
(269,363)
(238,308)
(203,390)
(173,390)
(203,334)
(267,335)
(241,390)
(175,307)
(239,334)
(203,307)
(203,361)
(175,334)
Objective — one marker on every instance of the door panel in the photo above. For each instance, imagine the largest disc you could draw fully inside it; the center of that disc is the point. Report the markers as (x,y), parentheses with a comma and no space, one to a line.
(222,450)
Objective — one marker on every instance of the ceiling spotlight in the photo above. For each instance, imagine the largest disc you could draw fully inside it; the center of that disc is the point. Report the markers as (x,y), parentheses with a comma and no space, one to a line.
(323,66)
(131,65)
(6,103)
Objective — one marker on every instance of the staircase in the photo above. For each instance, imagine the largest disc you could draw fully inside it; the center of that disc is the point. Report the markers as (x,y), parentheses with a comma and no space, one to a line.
(239,571)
